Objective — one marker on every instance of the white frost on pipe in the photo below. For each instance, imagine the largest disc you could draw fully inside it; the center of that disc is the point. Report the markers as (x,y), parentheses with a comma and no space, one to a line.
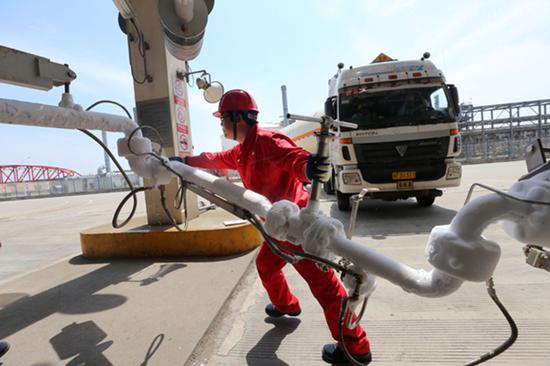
(460,250)
(368,281)
(34,114)
(471,258)
(529,223)
(417,281)
(245,198)
(184,10)
(285,221)
(324,236)
(137,151)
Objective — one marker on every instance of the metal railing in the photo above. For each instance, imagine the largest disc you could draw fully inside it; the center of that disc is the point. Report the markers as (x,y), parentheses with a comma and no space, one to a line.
(500,132)
(67,186)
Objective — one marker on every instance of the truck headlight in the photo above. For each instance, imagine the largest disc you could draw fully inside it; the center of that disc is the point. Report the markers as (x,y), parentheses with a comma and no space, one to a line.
(351,178)
(454,172)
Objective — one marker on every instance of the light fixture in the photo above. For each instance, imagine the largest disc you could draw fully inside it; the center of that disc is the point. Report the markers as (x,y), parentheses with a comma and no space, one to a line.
(125,9)
(184,22)
(213,90)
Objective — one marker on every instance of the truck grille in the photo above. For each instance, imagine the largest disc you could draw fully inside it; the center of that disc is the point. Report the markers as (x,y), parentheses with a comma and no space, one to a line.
(426,157)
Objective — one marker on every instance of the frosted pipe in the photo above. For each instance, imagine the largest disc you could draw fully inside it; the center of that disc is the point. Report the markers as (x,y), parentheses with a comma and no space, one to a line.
(245,198)
(147,166)
(325,237)
(460,250)
(474,217)
(34,114)
(428,284)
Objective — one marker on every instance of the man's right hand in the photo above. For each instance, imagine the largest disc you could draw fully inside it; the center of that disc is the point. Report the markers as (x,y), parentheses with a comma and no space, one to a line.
(318,168)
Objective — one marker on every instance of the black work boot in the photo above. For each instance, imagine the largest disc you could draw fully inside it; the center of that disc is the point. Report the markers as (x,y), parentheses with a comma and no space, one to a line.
(4,347)
(272,311)
(335,355)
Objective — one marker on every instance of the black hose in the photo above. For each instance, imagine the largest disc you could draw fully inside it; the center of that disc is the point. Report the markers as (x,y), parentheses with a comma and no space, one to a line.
(116,225)
(503,194)
(167,211)
(106,101)
(490,284)
(513,329)
(178,201)
(181,199)
(141,50)
(133,191)
(341,320)
(156,154)
(132,194)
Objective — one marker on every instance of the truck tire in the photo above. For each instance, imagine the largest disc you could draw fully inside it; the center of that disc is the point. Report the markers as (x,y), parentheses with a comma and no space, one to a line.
(425,201)
(328,186)
(343,200)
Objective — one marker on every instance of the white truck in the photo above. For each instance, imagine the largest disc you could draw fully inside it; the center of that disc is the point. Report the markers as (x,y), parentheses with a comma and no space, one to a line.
(407,139)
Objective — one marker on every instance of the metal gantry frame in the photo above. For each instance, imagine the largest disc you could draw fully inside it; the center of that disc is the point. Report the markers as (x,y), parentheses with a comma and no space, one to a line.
(499,131)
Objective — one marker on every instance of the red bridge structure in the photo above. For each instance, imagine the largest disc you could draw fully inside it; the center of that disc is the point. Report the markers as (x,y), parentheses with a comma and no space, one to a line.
(33,173)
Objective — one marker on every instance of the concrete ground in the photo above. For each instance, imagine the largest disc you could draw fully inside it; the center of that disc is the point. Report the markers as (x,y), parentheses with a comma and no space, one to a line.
(58,308)
(404,329)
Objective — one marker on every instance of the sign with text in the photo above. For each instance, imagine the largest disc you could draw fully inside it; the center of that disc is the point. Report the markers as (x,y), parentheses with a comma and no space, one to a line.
(180,112)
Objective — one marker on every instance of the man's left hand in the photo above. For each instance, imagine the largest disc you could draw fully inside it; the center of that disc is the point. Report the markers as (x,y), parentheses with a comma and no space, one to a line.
(178,158)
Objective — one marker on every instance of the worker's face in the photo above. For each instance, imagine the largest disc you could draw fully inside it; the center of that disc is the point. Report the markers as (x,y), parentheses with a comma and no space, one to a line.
(227,127)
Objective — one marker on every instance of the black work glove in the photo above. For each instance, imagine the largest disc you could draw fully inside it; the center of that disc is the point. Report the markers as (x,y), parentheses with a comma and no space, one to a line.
(178,158)
(318,168)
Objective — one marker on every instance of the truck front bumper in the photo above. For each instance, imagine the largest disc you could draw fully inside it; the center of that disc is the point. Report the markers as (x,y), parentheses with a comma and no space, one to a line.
(350,181)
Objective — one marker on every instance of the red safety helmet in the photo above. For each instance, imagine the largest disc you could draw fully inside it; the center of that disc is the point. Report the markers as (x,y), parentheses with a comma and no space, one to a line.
(236,100)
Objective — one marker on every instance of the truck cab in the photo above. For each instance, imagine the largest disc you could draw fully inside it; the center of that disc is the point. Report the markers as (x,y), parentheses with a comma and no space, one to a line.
(407,139)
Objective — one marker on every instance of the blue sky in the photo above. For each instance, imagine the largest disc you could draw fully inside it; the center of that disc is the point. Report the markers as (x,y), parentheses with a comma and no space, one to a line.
(494,51)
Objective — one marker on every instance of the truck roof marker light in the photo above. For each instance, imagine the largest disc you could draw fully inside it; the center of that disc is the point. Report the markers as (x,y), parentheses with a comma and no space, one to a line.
(416,74)
(346,140)
(454,131)
(392,77)
(369,80)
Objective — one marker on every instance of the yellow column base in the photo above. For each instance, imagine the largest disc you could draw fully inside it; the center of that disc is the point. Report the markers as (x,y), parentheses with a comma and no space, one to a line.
(205,236)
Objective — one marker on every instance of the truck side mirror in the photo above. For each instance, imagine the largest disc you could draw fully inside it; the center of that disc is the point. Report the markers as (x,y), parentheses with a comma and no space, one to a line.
(454,96)
(330,107)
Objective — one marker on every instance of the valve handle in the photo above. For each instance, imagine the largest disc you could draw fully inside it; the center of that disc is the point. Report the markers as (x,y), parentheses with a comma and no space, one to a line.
(322,120)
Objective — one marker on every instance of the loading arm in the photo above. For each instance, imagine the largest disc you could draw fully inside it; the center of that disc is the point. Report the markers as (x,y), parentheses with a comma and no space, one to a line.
(458,252)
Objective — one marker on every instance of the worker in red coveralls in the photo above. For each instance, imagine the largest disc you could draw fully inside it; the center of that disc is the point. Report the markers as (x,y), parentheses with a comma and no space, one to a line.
(271,164)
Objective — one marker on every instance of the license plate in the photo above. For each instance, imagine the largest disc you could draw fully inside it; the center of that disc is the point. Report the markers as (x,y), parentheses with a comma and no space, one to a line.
(403,175)
(405,184)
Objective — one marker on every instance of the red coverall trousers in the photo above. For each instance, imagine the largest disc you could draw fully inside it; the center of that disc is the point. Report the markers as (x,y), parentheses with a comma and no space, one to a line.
(325,286)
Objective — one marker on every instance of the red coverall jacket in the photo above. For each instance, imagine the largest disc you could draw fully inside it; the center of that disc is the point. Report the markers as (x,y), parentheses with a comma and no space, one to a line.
(271,164)
(268,162)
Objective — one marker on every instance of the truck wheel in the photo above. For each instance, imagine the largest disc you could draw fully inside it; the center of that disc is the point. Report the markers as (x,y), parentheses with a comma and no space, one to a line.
(425,201)
(343,200)
(328,186)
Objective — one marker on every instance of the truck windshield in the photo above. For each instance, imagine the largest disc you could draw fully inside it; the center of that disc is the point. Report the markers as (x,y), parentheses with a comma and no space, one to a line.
(404,107)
